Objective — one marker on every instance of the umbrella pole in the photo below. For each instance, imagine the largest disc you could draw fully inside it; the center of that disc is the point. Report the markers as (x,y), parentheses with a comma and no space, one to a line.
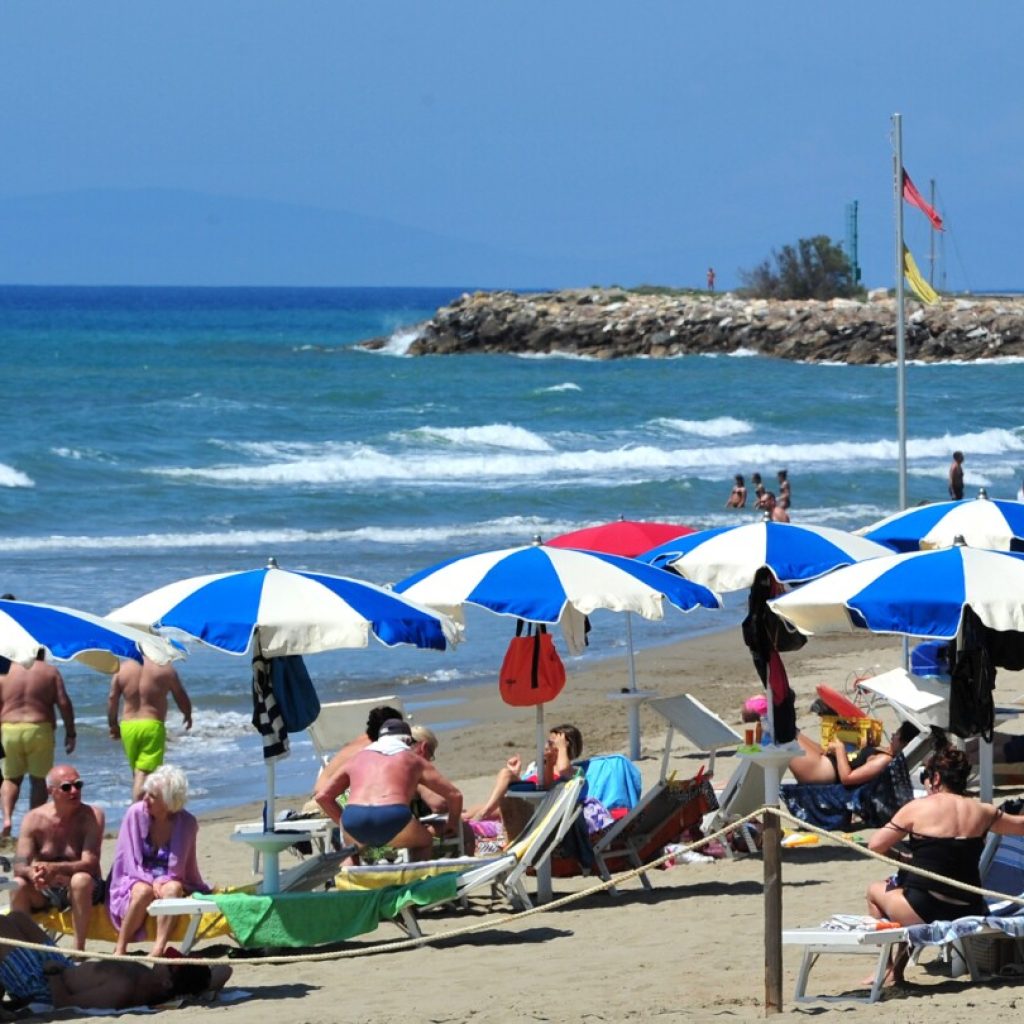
(634,705)
(270,813)
(541,740)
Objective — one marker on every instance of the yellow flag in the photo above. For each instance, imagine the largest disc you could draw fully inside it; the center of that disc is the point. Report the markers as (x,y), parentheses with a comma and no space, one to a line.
(925,292)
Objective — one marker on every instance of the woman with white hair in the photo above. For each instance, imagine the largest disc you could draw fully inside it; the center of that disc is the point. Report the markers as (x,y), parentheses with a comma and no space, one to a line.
(155,858)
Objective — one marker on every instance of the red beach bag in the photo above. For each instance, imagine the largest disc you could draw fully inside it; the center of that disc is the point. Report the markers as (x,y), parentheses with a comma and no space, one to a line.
(532,672)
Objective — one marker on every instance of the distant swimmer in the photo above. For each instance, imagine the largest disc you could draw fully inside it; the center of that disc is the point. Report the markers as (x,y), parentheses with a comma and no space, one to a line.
(759,491)
(738,496)
(784,489)
(956,476)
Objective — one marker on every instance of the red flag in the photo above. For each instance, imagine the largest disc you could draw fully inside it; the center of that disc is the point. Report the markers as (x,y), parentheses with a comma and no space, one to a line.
(911,195)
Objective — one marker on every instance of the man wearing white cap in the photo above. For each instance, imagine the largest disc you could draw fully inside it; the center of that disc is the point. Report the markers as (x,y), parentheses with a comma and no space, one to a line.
(382,780)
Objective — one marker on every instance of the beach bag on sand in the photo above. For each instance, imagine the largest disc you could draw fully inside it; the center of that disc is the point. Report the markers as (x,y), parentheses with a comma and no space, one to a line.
(532,672)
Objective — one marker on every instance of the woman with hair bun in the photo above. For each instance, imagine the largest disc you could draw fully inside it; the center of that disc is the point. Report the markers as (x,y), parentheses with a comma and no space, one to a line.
(155,858)
(945,833)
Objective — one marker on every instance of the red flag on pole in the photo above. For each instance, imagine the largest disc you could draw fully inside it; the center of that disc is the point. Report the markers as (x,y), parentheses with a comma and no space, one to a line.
(911,195)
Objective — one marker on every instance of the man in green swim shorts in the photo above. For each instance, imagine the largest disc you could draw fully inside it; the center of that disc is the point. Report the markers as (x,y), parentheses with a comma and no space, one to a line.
(144,689)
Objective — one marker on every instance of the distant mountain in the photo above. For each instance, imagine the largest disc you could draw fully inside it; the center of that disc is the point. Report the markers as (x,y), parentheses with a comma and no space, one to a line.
(165,236)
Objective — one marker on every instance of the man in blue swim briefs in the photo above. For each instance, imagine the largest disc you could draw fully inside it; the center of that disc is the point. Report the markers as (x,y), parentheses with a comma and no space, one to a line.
(382,780)
(144,689)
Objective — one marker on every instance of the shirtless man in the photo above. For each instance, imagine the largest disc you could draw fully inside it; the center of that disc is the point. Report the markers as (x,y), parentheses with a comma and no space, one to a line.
(57,860)
(382,780)
(956,476)
(775,511)
(142,731)
(33,976)
(28,697)
(376,718)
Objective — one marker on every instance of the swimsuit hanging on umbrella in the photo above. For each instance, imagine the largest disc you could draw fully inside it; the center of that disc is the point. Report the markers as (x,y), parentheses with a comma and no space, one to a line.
(275,613)
(553,585)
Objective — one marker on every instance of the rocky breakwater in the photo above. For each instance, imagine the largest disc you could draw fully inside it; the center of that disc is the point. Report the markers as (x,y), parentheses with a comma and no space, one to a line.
(613,324)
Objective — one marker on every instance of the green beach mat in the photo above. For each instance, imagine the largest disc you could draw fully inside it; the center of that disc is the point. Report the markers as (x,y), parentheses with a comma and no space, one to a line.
(315,918)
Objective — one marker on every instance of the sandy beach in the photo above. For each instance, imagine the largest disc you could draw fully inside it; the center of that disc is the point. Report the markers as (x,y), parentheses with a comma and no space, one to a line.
(692,949)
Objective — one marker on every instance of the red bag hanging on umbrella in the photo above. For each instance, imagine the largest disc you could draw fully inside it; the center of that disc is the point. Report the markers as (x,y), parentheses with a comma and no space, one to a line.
(532,672)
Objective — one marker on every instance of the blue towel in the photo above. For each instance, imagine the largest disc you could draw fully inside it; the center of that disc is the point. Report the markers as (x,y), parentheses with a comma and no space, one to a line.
(613,780)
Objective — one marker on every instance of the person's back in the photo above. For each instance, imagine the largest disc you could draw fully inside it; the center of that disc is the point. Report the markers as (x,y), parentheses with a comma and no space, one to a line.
(145,689)
(956,476)
(31,694)
(376,778)
(945,816)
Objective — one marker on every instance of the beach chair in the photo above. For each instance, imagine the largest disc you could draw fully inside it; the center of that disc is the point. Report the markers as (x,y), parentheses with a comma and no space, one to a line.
(962,940)
(669,807)
(744,792)
(966,940)
(369,894)
(505,873)
(840,808)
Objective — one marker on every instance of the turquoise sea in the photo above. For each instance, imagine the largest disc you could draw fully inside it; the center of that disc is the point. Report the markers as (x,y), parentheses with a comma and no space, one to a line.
(153,434)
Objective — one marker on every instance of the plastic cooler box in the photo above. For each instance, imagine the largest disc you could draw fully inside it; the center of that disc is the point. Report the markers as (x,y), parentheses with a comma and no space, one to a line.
(930,659)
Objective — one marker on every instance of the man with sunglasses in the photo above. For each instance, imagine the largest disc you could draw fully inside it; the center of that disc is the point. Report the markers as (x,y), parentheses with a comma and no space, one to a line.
(57,860)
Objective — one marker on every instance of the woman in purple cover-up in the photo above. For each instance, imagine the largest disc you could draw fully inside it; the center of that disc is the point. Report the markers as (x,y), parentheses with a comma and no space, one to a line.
(155,858)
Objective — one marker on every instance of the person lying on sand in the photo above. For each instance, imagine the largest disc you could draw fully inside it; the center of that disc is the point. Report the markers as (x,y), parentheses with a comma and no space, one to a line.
(32,976)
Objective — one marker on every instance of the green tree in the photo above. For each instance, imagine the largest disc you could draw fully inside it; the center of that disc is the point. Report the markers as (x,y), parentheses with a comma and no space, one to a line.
(815,268)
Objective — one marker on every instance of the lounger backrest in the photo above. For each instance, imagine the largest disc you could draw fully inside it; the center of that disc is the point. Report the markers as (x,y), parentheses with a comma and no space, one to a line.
(342,721)
(550,821)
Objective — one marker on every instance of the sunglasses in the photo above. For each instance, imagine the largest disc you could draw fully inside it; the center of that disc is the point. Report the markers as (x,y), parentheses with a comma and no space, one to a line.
(66,787)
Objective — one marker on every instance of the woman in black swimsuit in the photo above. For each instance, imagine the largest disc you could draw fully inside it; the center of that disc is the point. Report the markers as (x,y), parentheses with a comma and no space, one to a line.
(945,832)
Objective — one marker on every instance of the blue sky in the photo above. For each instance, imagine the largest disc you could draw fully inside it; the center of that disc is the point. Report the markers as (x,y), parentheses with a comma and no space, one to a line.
(558,144)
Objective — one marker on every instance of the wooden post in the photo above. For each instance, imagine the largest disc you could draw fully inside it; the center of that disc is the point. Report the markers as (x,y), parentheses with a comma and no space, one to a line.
(771,851)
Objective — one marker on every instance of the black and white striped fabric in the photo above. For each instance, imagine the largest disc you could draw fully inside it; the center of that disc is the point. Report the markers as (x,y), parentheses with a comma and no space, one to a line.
(266,715)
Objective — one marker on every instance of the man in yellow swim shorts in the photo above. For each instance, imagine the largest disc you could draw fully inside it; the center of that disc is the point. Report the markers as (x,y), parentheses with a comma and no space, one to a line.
(144,688)
(29,699)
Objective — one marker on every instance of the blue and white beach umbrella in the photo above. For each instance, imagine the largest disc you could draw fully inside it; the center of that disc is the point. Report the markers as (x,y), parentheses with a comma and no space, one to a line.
(553,585)
(920,594)
(66,634)
(982,522)
(727,558)
(274,612)
(287,612)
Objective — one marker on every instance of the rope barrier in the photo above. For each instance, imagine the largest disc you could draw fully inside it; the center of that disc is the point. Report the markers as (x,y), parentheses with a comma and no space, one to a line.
(515,917)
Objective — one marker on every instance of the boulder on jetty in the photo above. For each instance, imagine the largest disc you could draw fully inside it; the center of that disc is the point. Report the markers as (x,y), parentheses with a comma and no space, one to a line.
(616,323)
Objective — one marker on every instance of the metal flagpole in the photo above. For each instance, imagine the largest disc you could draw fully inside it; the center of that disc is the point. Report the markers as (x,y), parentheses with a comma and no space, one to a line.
(901,331)
(901,354)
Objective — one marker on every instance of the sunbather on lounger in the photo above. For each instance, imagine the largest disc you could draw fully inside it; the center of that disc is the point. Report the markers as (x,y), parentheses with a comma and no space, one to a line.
(945,833)
(31,976)
(382,782)
(564,745)
(827,767)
